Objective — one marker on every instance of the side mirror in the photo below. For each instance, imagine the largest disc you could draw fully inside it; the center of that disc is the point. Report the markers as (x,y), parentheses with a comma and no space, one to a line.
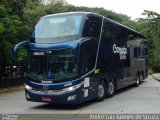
(17,46)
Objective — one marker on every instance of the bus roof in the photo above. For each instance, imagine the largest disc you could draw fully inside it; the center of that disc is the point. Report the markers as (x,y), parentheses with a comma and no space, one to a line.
(78,12)
(95,14)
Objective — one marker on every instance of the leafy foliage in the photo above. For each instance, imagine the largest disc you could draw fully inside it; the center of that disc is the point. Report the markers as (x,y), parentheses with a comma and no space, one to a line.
(18,17)
(150,26)
(9,24)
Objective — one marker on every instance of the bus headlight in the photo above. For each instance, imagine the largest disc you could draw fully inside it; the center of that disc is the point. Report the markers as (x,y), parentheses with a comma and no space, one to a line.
(27,87)
(72,88)
(69,89)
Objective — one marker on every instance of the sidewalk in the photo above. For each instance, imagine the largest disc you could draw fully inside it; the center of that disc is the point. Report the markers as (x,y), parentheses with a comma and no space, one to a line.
(156,76)
(11,89)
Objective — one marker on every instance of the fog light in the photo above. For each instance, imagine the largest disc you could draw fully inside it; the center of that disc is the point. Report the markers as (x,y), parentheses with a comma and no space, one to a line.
(27,96)
(73,97)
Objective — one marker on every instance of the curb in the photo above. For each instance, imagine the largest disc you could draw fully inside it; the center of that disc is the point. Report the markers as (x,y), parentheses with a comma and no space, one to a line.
(156,78)
(11,89)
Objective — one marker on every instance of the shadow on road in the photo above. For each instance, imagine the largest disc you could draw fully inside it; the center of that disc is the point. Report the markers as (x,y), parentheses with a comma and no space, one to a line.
(64,107)
(125,89)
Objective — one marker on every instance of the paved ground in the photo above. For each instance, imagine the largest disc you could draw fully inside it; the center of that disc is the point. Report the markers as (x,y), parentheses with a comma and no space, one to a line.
(142,99)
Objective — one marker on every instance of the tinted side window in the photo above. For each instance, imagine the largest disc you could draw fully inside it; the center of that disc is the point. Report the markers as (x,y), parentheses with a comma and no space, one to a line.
(124,35)
(142,52)
(92,27)
(110,31)
(139,52)
(88,51)
(145,52)
(135,52)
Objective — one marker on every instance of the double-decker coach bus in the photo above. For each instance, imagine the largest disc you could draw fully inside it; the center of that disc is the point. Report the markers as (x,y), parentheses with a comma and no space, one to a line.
(78,56)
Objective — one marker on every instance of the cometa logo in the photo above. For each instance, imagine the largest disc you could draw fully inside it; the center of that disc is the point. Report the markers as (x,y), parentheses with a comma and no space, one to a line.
(121,51)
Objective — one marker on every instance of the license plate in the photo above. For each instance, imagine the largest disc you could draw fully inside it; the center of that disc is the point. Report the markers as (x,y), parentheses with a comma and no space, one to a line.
(45,99)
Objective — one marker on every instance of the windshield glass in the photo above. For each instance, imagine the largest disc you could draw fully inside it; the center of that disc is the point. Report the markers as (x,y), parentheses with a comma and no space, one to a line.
(57,28)
(52,65)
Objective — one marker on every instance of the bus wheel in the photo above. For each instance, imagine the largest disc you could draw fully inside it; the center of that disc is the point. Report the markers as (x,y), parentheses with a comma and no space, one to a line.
(141,77)
(101,91)
(111,88)
(137,80)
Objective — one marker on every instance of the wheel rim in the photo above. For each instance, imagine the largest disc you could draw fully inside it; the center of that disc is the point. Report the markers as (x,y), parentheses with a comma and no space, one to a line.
(137,81)
(100,91)
(110,88)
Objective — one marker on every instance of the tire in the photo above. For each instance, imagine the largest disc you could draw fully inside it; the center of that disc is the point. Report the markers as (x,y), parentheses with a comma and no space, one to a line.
(137,80)
(141,78)
(111,88)
(101,92)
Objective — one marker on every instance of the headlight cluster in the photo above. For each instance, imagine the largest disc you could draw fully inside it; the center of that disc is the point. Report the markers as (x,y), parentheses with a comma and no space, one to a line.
(68,89)
(72,88)
(27,87)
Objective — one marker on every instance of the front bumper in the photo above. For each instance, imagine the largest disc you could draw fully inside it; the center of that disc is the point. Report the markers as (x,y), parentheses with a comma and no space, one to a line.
(57,95)
(59,99)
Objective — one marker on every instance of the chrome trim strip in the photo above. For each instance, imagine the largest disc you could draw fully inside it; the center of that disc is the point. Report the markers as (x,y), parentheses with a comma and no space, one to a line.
(54,92)
(99,42)
(47,92)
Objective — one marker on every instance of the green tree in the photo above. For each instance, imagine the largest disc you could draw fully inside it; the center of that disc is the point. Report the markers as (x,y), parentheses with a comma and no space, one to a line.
(18,17)
(150,26)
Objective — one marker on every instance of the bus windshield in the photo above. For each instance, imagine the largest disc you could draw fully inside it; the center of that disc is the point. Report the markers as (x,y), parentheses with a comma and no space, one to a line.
(52,65)
(53,29)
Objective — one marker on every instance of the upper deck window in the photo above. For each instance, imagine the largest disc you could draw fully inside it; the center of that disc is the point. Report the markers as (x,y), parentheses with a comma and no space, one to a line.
(92,27)
(110,32)
(55,28)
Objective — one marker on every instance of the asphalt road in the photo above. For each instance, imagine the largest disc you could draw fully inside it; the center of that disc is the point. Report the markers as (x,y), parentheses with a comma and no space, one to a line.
(138,100)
